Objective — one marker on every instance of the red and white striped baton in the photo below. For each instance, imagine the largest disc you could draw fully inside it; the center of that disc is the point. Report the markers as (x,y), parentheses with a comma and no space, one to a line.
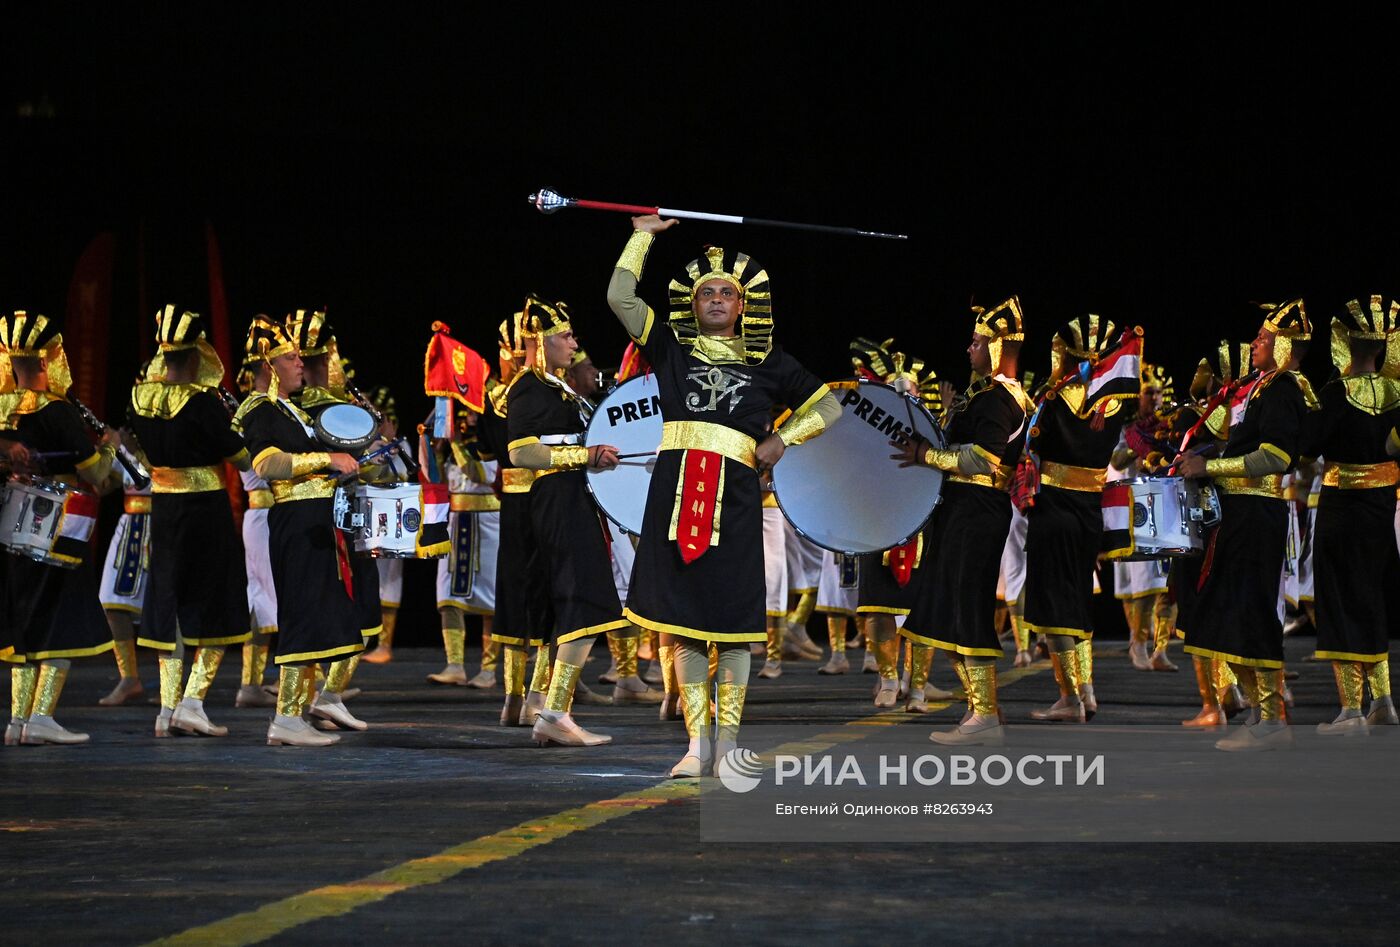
(548,201)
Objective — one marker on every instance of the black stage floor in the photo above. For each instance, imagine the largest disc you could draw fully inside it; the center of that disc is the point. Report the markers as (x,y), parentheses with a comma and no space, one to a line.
(437,825)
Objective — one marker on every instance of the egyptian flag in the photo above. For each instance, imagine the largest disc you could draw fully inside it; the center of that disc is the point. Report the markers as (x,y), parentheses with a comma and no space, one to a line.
(452,370)
(1117,504)
(75,526)
(433,539)
(1118,375)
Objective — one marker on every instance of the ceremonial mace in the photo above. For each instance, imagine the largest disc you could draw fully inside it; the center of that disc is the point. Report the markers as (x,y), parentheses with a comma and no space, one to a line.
(548,201)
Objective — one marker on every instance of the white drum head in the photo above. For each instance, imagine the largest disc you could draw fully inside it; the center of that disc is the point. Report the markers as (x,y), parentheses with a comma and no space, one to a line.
(346,427)
(628,418)
(843,492)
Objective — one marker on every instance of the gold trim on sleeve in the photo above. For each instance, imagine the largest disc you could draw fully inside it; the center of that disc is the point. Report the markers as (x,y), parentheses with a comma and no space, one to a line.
(634,255)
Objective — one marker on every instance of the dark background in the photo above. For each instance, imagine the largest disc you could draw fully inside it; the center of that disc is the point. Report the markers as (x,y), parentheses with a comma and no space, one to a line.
(1164,171)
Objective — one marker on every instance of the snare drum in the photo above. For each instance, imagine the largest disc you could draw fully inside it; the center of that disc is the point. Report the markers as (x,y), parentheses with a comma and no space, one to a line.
(1169,515)
(843,492)
(47,521)
(346,427)
(383,520)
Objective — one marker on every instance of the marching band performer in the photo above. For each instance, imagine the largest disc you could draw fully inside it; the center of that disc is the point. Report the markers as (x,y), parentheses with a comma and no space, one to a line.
(545,421)
(1357,579)
(955,596)
(1074,440)
(198,587)
(53,612)
(1235,615)
(390,570)
(256,376)
(317,617)
(125,574)
(719,375)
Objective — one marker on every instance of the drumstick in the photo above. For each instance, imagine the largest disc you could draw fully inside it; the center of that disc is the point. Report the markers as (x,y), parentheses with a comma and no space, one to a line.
(638,454)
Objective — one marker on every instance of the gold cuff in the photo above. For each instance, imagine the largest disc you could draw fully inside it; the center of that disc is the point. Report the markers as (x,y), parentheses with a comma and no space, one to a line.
(634,255)
(303,464)
(568,457)
(1269,485)
(801,427)
(1226,467)
(941,458)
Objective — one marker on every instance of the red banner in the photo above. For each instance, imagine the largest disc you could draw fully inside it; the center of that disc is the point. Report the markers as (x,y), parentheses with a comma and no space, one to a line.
(452,370)
(85,330)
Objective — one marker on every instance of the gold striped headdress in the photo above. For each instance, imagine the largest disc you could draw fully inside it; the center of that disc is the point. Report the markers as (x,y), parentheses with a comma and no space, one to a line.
(540,319)
(312,335)
(1156,376)
(1082,338)
(1288,323)
(1374,322)
(1002,322)
(178,330)
(267,339)
(23,335)
(751,280)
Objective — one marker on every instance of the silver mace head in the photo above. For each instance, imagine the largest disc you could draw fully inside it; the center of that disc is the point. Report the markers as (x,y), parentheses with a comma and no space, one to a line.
(548,200)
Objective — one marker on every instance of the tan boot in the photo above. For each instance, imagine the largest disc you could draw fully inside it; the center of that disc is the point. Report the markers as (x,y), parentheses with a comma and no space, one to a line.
(189,717)
(294,731)
(561,728)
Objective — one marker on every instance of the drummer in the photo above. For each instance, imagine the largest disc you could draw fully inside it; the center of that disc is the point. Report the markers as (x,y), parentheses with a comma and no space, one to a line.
(1235,615)
(955,593)
(1074,440)
(198,587)
(719,375)
(53,612)
(317,618)
(325,385)
(546,420)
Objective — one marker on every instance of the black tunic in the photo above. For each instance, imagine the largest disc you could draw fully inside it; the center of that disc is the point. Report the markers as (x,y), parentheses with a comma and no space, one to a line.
(1064,529)
(719,596)
(524,614)
(365,568)
(571,540)
(198,584)
(52,612)
(955,592)
(1235,613)
(1356,568)
(316,617)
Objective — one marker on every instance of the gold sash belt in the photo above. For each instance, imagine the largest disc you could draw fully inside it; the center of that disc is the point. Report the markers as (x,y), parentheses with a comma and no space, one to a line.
(474,502)
(998,479)
(187,479)
(702,435)
(1269,485)
(1083,479)
(1360,476)
(516,479)
(310,487)
(260,499)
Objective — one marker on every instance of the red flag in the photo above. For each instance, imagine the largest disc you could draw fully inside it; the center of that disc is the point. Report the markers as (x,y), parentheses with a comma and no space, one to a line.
(452,370)
(85,332)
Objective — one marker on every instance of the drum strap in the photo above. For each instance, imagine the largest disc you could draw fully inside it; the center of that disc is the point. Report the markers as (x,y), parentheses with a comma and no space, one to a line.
(695,520)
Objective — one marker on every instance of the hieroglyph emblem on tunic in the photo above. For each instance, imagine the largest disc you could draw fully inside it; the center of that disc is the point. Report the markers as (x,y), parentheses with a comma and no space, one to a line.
(719,383)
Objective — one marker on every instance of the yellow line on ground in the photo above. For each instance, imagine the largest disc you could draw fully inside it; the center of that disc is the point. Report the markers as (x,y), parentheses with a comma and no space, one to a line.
(334,900)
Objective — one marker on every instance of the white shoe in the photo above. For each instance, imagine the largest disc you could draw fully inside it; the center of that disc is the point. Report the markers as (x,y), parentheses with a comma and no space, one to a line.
(251,695)
(1022,660)
(633,690)
(1160,662)
(190,717)
(552,727)
(294,731)
(975,730)
(483,680)
(128,688)
(698,759)
(1264,735)
(839,664)
(331,707)
(869,665)
(933,692)
(771,670)
(1344,726)
(610,675)
(888,694)
(14,731)
(652,675)
(42,728)
(451,674)
(530,712)
(162,727)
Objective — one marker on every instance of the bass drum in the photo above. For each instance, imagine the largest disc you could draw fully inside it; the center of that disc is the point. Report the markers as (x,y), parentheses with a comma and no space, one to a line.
(629,418)
(843,492)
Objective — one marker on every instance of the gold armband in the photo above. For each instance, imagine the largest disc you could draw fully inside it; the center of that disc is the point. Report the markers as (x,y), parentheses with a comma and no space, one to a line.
(943,459)
(802,427)
(303,464)
(1226,467)
(634,255)
(568,457)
